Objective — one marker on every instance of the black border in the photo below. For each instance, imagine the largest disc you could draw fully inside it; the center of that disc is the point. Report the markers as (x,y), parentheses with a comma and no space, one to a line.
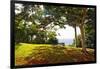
(12,22)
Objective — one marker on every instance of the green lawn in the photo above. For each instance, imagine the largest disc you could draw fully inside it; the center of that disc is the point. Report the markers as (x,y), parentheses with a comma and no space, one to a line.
(27,54)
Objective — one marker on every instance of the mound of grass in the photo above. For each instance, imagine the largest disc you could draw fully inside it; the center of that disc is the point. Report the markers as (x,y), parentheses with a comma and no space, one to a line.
(31,54)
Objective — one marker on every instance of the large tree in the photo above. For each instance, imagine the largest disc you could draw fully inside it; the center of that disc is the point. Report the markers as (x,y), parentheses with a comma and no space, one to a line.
(80,17)
(32,23)
(73,16)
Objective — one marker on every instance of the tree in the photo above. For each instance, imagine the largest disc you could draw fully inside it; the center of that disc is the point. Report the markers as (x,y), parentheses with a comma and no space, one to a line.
(78,41)
(71,16)
(90,29)
(74,16)
(33,24)
(51,39)
(78,17)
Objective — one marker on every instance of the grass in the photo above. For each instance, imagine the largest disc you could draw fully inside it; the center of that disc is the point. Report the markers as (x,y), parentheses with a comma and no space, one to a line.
(30,54)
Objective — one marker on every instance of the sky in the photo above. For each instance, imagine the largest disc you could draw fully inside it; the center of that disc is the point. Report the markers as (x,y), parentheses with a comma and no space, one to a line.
(67,33)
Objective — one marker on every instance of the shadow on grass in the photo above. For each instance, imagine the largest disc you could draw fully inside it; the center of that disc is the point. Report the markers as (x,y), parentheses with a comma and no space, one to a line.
(51,55)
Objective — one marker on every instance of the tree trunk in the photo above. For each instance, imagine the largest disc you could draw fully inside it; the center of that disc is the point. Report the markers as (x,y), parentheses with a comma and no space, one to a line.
(82,38)
(75,36)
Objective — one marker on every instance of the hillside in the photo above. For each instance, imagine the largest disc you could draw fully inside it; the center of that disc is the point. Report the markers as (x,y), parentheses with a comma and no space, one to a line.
(30,54)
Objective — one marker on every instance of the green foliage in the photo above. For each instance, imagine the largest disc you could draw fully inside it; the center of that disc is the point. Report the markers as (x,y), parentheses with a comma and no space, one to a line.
(53,41)
(31,23)
(90,29)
